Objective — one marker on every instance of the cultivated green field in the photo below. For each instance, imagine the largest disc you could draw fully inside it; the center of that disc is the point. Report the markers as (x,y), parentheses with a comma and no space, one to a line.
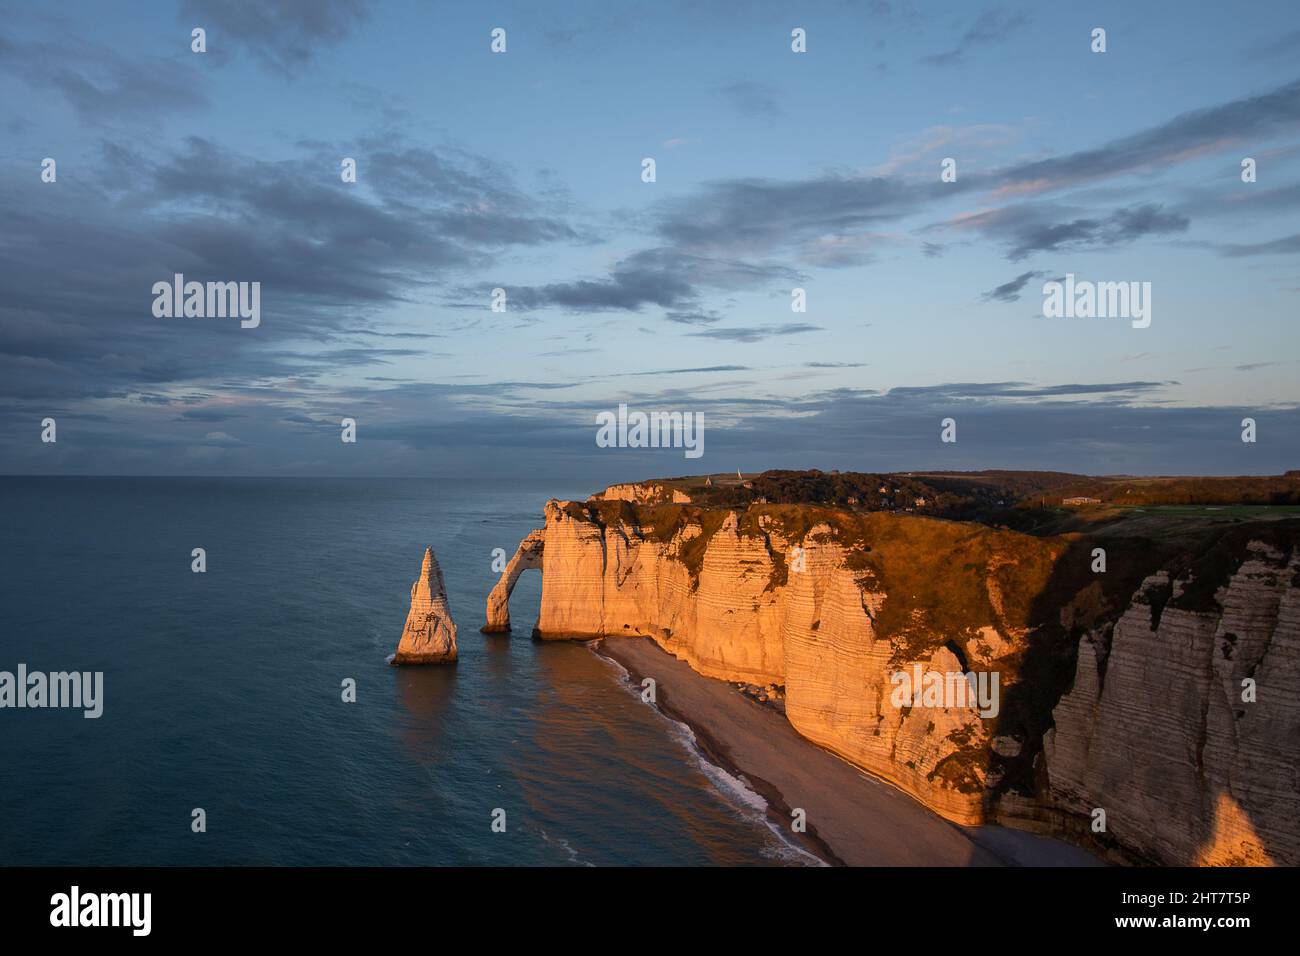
(1218,511)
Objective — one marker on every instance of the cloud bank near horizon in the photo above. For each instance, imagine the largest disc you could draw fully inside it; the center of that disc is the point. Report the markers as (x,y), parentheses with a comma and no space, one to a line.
(674,294)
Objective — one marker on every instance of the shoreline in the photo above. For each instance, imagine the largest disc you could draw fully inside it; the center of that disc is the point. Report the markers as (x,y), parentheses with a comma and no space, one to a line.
(775,809)
(853,819)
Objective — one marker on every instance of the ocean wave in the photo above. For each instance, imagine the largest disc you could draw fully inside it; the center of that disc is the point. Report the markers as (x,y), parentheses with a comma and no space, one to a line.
(569,851)
(733,790)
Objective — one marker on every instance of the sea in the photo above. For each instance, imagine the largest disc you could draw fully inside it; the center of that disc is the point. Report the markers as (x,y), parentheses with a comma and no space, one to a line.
(224,691)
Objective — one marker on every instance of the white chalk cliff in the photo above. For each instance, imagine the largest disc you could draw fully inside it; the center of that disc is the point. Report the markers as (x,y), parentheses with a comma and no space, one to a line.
(1156,731)
(527,555)
(831,605)
(430,634)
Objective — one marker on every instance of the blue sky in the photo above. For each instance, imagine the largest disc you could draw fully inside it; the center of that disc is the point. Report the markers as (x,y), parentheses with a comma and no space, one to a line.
(522,171)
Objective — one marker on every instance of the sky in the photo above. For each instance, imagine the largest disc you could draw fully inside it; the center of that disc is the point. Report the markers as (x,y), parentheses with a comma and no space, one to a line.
(522,170)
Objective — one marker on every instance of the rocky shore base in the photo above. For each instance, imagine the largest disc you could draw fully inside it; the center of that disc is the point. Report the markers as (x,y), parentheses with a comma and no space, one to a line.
(851,818)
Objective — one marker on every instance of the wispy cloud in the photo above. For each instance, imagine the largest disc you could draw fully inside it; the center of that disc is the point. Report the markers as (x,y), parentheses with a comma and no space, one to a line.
(1010,291)
(283,36)
(757,333)
(989,28)
(1284,245)
(752,100)
(1030,229)
(102,84)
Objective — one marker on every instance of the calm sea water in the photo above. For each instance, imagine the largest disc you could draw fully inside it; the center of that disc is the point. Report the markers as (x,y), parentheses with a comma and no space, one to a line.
(222,690)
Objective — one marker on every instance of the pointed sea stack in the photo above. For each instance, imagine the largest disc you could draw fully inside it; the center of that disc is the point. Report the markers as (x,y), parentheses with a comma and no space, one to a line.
(430,633)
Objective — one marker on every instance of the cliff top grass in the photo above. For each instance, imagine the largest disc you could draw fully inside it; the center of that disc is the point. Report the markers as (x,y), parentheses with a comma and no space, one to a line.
(942,561)
(938,568)
(1028,500)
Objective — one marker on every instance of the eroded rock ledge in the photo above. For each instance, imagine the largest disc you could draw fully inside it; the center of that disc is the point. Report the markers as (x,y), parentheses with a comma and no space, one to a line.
(1119,691)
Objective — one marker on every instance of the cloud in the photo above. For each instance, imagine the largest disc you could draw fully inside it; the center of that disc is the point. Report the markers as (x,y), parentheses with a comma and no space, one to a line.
(1027,229)
(838,252)
(662,276)
(833,219)
(398,335)
(1005,390)
(1285,45)
(1010,291)
(1284,245)
(694,371)
(207,415)
(329,257)
(752,100)
(693,317)
(757,215)
(753,216)
(1187,136)
(989,28)
(638,281)
(459,428)
(101,84)
(1253,366)
(339,263)
(756,333)
(283,36)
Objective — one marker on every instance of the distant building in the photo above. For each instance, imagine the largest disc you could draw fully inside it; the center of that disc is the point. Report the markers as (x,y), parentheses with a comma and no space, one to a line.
(1080,501)
(708,481)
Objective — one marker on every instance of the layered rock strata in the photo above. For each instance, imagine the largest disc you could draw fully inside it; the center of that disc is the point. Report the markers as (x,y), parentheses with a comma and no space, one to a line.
(1184,726)
(430,634)
(527,555)
(643,493)
(1096,706)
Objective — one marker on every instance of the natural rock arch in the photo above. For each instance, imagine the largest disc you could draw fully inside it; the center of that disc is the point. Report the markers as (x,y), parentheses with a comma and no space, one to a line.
(527,555)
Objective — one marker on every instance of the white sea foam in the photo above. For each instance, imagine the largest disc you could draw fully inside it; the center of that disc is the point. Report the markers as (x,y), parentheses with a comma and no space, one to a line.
(738,792)
(622,671)
(733,790)
(569,851)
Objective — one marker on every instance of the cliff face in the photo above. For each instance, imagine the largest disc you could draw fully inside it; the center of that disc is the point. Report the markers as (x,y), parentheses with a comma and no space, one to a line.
(430,634)
(1183,726)
(643,493)
(788,595)
(835,606)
